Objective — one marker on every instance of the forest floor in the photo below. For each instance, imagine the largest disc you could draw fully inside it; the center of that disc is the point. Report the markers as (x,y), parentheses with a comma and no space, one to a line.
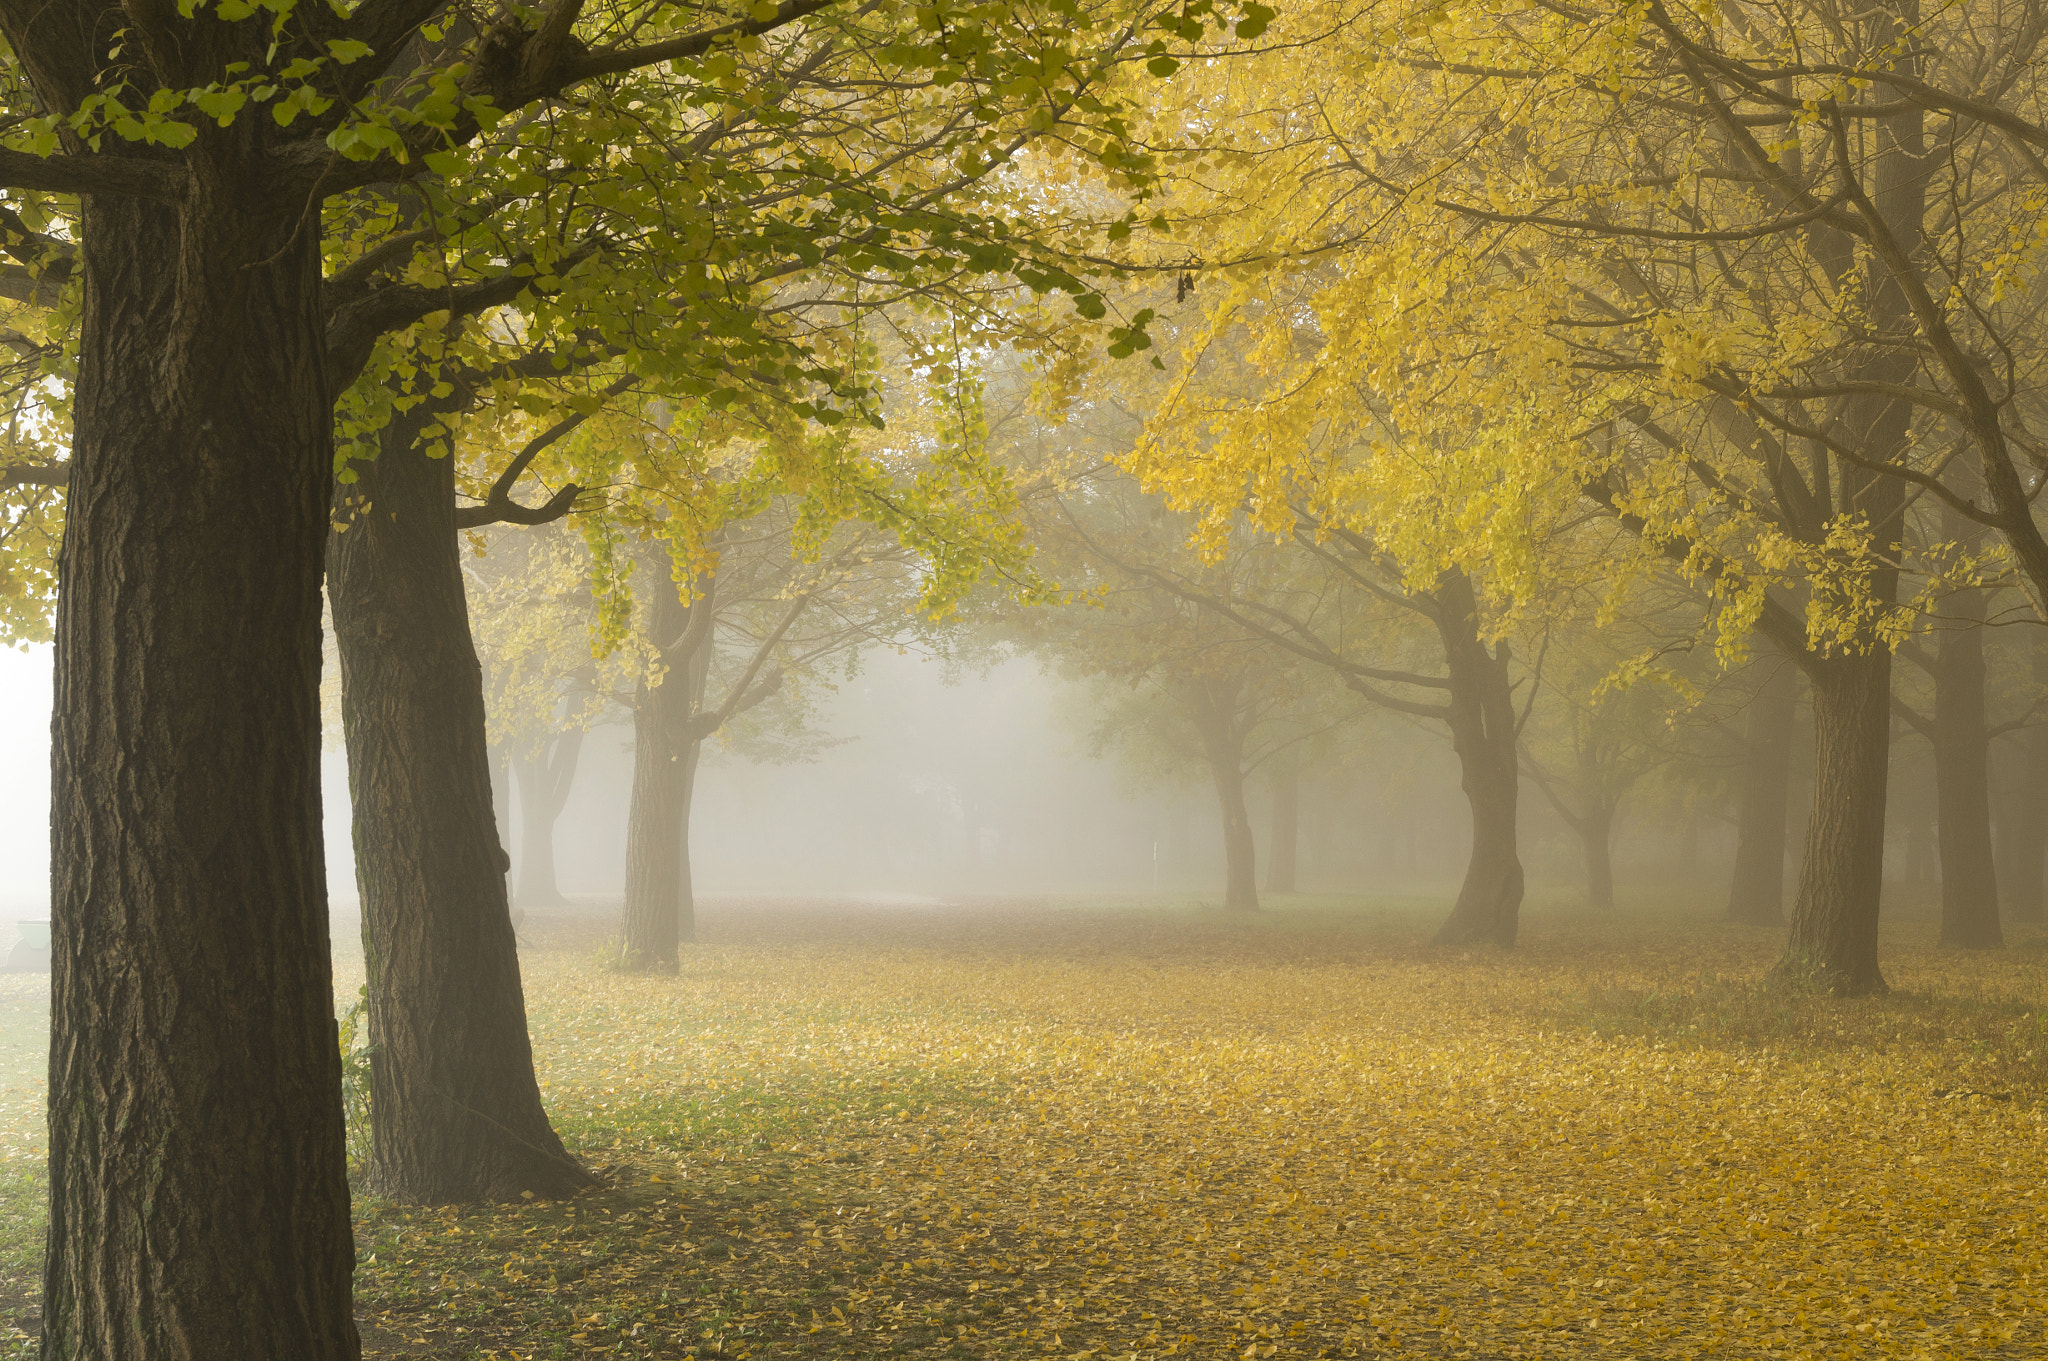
(1094,1130)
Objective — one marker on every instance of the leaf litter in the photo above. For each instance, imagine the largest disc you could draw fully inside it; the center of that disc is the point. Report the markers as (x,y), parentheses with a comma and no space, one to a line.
(1118,1133)
(1108,1133)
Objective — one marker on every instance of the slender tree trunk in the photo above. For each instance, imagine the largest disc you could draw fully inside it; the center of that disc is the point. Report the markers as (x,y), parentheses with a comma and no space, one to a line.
(198,1202)
(656,821)
(1962,778)
(1482,721)
(2023,831)
(1216,719)
(456,1111)
(1281,859)
(544,783)
(1757,895)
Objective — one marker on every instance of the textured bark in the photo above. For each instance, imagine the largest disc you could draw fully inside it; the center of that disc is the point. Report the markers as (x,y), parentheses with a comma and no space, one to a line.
(1282,857)
(456,1110)
(1482,722)
(1756,897)
(663,759)
(198,1200)
(1213,700)
(544,781)
(1833,940)
(1962,776)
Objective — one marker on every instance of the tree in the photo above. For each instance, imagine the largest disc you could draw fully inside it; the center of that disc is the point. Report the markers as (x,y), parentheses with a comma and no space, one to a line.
(456,1112)
(210,353)
(530,595)
(726,638)
(1713,308)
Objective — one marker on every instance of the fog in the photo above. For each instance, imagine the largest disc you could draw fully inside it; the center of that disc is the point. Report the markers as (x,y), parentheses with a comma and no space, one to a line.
(946,783)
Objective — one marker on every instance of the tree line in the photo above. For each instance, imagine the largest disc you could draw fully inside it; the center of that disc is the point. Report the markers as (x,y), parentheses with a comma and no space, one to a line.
(1563,382)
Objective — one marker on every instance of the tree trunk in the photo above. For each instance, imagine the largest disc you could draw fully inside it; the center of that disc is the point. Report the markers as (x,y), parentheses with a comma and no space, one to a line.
(1482,721)
(1757,895)
(1218,723)
(544,782)
(198,1197)
(657,820)
(1962,777)
(1833,942)
(1833,937)
(2023,831)
(456,1112)
(1281,859)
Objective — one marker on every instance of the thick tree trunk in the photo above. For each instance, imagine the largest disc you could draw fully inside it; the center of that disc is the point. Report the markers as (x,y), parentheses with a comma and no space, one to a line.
(1218,723)
(663,755)
(1757,895)
(456,1112)
(1962,779)
(1286,838)
(2023,831)
(544,782)
(1833,942)
(198,1199)
(1482,721)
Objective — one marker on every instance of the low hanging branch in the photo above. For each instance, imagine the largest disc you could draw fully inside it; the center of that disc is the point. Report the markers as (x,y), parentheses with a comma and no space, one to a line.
(498,506)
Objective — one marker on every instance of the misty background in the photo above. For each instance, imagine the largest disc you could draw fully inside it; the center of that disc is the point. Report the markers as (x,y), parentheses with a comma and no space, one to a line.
(948,783)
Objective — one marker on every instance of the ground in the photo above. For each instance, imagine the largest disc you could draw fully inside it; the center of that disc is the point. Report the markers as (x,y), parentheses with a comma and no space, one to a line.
(1090,1130)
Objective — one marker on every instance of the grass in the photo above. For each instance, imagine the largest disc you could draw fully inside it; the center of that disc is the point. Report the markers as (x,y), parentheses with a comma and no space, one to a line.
(1095,1130)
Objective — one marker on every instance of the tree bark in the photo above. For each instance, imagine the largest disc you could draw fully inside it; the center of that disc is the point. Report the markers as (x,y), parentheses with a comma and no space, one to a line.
(1281,859)
(1833,940)
(456,1112)
(544,782)
(1757,895)
(1962,776)
(1482,722)
(198,1198)
(1215,709)
(664,759)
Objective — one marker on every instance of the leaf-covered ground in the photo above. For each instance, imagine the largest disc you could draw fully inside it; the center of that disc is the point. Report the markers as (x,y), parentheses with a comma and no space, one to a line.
(1039,1131)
